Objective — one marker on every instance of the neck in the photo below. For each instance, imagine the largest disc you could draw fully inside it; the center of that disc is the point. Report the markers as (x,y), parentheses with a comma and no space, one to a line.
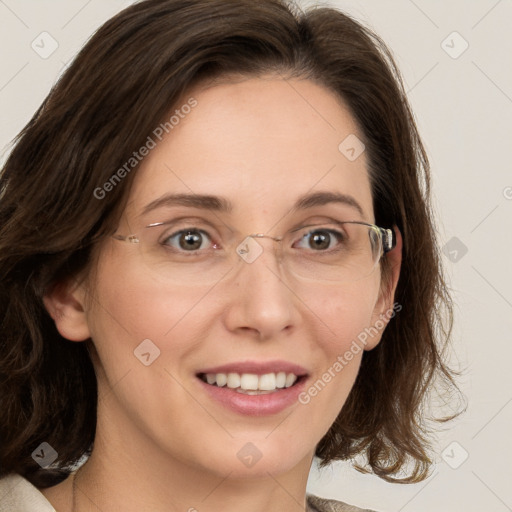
(97,490)
(127,471)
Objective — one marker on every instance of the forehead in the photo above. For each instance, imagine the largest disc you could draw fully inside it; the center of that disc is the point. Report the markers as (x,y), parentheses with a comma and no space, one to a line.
(262,143)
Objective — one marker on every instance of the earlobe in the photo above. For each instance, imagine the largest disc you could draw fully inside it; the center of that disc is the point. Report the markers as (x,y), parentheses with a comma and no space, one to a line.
(65,304)
(385,308)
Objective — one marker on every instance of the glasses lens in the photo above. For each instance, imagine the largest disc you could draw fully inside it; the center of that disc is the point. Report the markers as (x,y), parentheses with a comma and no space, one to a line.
(341,252)
(336,252)
(183,254)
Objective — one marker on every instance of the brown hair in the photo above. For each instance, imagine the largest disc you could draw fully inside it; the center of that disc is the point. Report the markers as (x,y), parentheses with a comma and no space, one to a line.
(119,88)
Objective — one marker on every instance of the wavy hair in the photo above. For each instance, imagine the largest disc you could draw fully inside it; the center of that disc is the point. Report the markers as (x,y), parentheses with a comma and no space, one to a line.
(121,85)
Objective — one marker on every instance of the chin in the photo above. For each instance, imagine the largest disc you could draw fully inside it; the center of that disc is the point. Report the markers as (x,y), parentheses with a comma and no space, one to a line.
(256,458)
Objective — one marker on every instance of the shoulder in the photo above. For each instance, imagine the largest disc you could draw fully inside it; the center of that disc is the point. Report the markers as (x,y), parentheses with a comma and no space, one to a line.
(17,493)
(316,504)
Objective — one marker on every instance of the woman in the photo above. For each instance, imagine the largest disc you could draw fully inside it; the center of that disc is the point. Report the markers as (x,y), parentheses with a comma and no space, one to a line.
(217,262)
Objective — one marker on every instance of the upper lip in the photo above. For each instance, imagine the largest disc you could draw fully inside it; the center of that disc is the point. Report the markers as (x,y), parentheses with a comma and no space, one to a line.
(257,367)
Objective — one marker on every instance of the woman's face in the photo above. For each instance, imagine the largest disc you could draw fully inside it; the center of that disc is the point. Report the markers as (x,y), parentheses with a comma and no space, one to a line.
(260,144)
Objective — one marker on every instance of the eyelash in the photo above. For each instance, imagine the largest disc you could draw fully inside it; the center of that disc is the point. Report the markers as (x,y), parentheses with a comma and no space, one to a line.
(336,234)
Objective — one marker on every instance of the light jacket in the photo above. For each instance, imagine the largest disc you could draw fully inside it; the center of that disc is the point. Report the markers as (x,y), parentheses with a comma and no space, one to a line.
(17,494)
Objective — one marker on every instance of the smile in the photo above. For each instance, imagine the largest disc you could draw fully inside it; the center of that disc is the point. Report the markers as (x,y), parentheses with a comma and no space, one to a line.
(256,389)
(251,383)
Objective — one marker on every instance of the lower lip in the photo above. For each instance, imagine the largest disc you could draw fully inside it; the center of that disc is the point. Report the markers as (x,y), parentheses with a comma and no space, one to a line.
(255,405)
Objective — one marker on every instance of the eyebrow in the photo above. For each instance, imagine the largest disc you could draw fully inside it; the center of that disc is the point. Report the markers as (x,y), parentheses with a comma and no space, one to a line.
(223,205)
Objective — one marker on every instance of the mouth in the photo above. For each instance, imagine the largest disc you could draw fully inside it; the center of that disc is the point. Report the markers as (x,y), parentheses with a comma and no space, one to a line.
(254,388)
(252,383)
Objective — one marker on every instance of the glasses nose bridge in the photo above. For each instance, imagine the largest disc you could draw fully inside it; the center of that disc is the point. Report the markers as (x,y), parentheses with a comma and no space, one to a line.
(245,253)
(262,235)
(274,238)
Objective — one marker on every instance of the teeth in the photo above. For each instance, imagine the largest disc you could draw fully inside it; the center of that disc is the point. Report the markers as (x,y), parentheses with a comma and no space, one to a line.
(221,379)
(280,380)
(290,379)
(233,380)
(250,392)
(267,382)
(251,383)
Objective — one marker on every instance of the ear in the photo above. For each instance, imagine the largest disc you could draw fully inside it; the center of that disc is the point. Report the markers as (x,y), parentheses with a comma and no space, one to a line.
(65,304)
(385,308)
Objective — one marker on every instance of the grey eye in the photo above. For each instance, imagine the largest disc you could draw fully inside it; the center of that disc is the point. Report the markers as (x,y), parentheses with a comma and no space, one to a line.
(187,239)
(321,239)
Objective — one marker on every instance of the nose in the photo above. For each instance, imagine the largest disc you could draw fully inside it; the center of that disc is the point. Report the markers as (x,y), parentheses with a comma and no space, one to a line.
(260,298)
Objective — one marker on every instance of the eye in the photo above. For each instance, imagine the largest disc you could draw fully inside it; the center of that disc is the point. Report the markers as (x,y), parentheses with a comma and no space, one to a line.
(321,239)
(187,240)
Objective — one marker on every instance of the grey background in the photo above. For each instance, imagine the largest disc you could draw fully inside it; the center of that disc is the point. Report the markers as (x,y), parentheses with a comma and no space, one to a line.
(463,107)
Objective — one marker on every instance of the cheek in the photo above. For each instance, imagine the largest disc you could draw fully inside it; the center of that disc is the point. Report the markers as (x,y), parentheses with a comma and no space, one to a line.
(344,320)
(129,307)
(345,312)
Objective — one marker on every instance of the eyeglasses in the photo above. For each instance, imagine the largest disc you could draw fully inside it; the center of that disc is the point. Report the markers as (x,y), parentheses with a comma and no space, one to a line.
(180,253)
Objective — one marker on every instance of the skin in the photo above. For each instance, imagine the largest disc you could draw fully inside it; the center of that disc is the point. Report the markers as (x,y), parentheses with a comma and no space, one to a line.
(161,443)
